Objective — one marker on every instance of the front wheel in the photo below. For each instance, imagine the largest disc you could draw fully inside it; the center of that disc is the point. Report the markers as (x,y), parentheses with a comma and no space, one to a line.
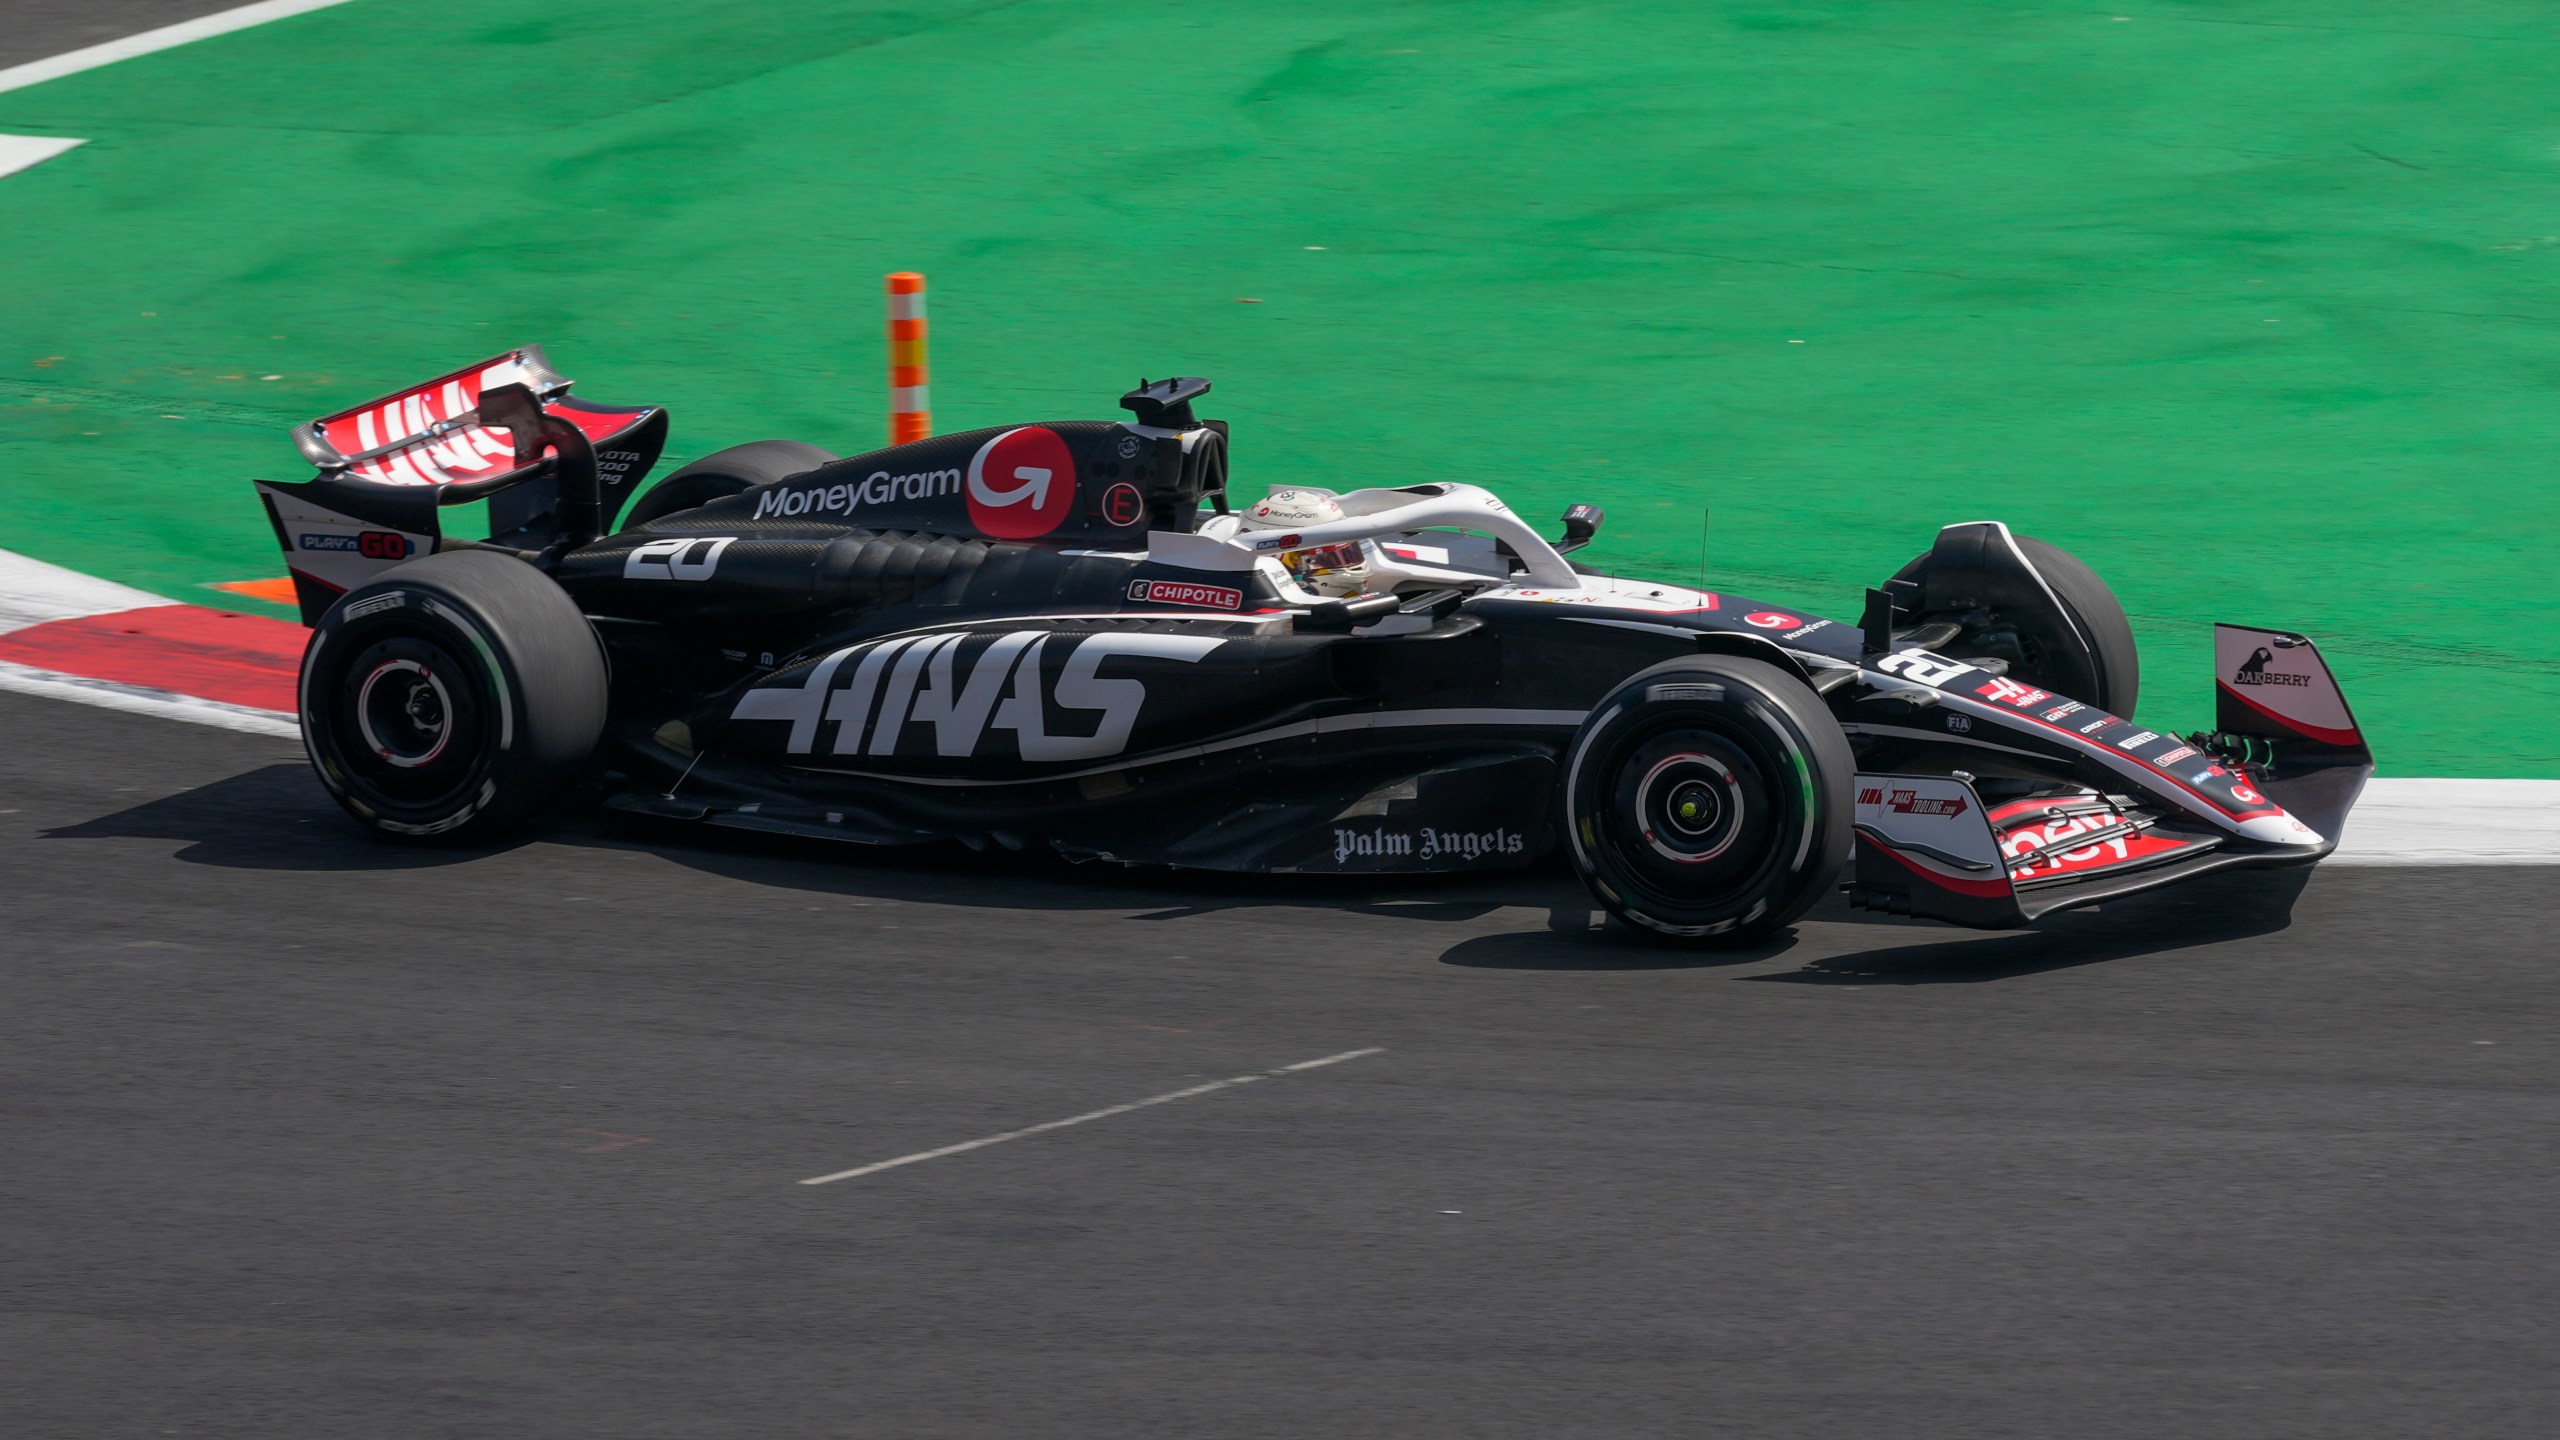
(1708,799)
(452,695)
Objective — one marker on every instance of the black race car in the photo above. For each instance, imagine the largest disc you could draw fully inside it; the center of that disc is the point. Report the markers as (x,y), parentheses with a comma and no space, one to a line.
(1063,635)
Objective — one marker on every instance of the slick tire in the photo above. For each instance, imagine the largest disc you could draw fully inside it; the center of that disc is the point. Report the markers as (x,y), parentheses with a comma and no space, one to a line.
(452,696)
(2106,669)
(2112,660)
(1708,800)
(725,473)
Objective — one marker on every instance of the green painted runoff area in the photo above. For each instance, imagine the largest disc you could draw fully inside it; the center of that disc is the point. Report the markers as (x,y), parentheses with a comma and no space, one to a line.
(2254,306)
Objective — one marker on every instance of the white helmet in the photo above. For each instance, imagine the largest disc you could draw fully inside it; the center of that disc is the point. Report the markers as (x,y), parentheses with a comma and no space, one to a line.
(1327,570)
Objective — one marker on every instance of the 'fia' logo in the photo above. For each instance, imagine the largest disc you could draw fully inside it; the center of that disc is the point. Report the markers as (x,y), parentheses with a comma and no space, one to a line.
(1021,484)
(916,680)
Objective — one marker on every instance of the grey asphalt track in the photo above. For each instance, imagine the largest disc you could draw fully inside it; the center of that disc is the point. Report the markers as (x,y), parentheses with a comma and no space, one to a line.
(39,29)
(304,1134)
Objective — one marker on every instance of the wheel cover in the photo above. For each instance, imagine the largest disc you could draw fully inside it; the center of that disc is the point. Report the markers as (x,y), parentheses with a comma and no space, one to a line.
(409,726)
(405,714)
(1690,817)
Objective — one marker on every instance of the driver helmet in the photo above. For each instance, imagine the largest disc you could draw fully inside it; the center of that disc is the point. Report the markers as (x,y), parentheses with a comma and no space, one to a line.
(1335,570)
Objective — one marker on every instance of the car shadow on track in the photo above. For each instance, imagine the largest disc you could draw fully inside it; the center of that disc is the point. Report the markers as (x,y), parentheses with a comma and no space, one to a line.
(2217,909)
(1885,950)
(276,818)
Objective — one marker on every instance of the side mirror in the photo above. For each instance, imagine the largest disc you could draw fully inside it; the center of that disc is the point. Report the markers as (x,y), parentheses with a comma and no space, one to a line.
(1581,522)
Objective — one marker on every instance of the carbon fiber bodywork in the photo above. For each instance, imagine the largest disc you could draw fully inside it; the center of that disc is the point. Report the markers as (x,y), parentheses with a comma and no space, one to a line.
(1056,635)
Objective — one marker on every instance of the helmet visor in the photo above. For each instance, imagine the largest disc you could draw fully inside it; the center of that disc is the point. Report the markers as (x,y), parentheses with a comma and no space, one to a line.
(1323,558)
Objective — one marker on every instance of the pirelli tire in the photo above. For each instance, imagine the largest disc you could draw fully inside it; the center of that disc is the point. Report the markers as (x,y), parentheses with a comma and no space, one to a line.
(1708,800)
(2088,652)
(724,473)
(452,696)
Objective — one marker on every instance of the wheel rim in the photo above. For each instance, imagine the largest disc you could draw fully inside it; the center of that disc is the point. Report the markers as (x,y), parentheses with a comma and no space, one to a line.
(1689,807)
(1692,816)
(409,725)
(405,713)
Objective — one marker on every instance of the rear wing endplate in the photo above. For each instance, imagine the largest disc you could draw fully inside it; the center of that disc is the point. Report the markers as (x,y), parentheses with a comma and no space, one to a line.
(386,467)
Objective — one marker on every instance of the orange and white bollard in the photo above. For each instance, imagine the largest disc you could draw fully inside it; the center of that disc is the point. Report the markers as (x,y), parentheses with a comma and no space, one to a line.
(910,397)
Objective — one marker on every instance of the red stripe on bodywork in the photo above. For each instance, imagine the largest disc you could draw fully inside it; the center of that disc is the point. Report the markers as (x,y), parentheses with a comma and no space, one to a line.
(211,654)
(1979,889)
(2345,739)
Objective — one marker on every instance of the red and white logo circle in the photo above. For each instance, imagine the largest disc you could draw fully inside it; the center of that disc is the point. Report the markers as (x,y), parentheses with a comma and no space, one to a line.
(2246,796)
(1771,620)
(1123,505)
(1021,484)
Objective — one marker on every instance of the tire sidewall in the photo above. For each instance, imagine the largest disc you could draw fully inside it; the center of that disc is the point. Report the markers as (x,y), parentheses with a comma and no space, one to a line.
(539,697)
(1803,773)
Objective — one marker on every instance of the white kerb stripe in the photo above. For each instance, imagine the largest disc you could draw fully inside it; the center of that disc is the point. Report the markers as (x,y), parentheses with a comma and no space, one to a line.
(911,399)
(907,307)
(1091,1115)
(143,700)
(32,592)
(203,27)
(2453,822)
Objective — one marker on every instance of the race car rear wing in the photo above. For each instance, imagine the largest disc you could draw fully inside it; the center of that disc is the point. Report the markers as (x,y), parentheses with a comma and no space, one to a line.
(505,430)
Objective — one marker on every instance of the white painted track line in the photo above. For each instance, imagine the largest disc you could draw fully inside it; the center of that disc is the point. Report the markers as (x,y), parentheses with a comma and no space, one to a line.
(1091,1115)
(17,152)
(203,27)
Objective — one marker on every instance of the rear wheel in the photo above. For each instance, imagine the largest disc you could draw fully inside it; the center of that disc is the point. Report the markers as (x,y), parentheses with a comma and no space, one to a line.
(1708,799)
(724,473)
(452,696)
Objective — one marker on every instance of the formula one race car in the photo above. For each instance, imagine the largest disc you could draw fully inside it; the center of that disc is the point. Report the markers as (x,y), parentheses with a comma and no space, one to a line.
(1063,635)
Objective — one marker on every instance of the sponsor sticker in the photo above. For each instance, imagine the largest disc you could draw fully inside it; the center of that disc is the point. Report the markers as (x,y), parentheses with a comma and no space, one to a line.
(2033,854)
(1379,843)
(2010,692)
(2254,671)
(1771,620)
(878,488)
(2183,752)
(1021,484)
(876,694)
(371,544)
(2137,738)
(1183,592)
(2065,709)
(1912,802)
